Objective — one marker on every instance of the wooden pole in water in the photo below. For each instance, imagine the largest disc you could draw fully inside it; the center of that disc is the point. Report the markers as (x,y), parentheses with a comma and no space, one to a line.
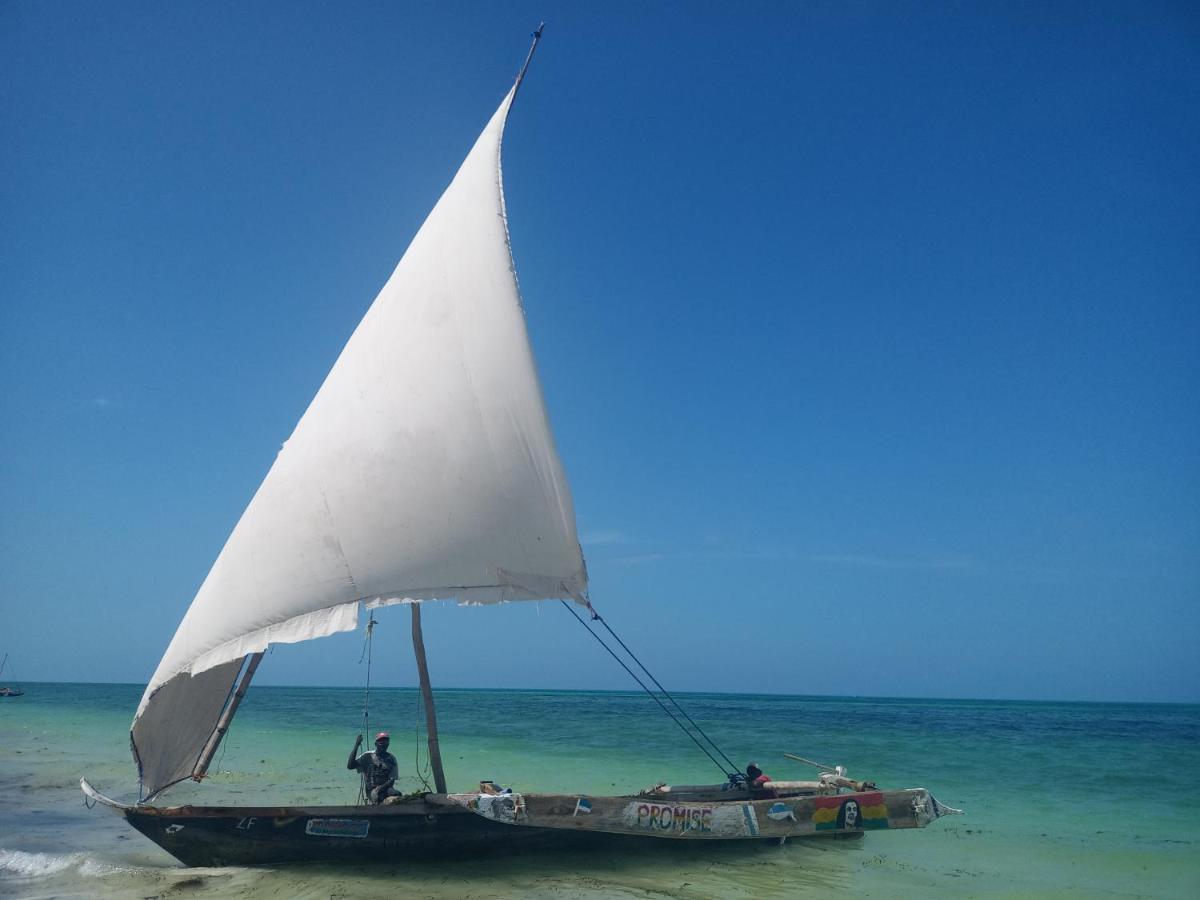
(435,753)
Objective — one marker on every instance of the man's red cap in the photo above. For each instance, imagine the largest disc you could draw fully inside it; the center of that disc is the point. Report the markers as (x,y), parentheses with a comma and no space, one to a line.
(383,736)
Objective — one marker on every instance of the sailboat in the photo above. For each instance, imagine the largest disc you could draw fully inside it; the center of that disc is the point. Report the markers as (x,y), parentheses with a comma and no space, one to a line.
(424,469)
(5,690)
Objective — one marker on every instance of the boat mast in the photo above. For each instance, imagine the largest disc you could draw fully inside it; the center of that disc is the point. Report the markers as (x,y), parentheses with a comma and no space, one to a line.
(435,753)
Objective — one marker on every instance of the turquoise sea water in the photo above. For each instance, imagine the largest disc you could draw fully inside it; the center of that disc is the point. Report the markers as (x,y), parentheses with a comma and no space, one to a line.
(1061,799)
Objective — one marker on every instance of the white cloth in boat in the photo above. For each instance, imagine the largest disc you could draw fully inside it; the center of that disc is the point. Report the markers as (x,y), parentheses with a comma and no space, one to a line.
(500,807)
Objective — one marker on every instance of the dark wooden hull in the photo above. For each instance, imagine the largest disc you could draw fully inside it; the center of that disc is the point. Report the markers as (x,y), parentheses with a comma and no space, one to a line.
(204,836)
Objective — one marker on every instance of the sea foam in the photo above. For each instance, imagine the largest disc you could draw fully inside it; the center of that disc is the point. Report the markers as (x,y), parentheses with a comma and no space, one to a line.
(33,865)
(40,865)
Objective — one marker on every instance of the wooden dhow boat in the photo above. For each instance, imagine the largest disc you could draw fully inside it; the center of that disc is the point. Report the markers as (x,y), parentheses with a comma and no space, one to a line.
(458,825)
(425,469)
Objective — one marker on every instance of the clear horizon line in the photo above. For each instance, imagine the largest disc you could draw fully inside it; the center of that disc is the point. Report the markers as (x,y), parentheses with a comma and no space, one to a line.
(635,692)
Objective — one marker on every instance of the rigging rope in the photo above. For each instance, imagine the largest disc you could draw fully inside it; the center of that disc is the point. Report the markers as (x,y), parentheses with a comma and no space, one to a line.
(368,644)
(716,762)
(421,775)
(366,653)
(597,617)
(221,758)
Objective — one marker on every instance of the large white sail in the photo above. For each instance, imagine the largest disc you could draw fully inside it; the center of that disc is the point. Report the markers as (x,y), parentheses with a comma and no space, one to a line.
(424,468)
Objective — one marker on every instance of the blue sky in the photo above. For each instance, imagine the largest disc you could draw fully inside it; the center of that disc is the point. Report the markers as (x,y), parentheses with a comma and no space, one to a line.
(868,330)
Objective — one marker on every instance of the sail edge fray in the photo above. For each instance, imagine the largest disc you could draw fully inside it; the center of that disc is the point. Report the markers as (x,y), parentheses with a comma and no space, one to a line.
(304,627)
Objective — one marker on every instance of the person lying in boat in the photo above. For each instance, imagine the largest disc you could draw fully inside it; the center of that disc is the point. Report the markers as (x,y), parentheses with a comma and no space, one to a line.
(378,768)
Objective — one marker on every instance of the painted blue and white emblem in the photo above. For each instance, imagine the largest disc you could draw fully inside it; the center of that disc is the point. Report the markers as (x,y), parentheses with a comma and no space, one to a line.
(781,812)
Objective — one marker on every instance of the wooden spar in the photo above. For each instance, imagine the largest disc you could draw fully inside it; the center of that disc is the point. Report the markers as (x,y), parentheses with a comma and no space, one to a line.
(810,762)
(435,753)
(537,36)
(214,741)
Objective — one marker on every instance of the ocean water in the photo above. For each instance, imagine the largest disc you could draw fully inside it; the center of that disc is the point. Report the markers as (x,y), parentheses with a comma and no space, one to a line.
(1061,799)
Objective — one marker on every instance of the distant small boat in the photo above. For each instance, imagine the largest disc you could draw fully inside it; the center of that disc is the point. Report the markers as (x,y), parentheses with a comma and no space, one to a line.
(6,691)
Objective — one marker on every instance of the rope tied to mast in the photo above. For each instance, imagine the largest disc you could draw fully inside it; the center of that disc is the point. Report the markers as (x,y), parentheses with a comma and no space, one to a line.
(423,773)
(368,645)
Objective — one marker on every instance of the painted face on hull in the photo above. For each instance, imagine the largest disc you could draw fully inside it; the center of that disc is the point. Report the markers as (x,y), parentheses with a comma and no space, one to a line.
(855,812)
(851,813)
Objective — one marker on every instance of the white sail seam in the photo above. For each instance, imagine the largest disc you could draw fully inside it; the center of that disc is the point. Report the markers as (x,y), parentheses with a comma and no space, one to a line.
(512,267)
(337,543)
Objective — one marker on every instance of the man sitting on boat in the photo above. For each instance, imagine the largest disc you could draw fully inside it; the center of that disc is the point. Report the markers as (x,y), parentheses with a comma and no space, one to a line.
(379,769)
(758,781)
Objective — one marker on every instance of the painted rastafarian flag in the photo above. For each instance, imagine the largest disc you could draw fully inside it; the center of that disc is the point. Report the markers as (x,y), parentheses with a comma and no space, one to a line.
(850,811)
